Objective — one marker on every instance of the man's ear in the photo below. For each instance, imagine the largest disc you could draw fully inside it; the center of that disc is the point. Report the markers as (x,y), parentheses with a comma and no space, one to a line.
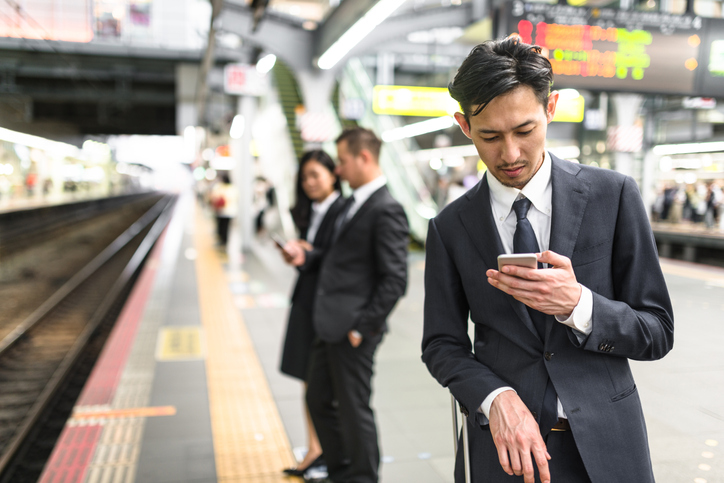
(551,107)
(366,156)
(463,123)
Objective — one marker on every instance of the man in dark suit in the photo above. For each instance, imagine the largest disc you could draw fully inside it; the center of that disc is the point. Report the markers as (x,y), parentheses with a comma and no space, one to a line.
(548,388)
(363,274)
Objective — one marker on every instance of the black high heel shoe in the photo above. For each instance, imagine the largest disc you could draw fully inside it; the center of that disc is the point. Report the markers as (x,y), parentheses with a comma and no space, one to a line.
(300,472)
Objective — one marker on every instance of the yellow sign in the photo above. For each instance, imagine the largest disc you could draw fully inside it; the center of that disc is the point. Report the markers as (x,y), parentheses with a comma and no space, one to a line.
(570,109)
(180,344)
(413,101)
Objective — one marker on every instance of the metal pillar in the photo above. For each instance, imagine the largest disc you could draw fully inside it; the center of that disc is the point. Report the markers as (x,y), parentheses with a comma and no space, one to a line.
(243,175)
(627,109)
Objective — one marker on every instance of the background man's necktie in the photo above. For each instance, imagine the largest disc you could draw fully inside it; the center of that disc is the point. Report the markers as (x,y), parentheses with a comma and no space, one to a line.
(341,218)
(524,241)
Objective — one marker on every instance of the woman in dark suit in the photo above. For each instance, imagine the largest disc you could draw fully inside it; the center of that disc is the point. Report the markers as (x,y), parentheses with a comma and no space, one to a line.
(318,203)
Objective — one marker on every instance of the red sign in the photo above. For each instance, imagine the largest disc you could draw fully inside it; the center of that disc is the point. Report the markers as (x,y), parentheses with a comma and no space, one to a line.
(244,80)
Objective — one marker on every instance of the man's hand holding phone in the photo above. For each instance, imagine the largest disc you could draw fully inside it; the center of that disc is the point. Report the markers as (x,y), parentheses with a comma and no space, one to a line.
(553,291)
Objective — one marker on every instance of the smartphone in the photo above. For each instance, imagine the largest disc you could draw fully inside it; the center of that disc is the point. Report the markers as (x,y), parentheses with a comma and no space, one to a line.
(527,260)
(280,242)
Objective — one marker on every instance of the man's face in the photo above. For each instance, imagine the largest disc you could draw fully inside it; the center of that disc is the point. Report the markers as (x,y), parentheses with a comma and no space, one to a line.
(510,133)
(350,166)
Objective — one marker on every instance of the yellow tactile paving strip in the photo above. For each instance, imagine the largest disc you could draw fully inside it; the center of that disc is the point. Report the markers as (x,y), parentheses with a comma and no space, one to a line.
(250,443)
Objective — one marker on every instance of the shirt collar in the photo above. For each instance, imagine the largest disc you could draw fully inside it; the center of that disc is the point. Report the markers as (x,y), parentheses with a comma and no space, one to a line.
(362,193)
(318,206)
(536,190)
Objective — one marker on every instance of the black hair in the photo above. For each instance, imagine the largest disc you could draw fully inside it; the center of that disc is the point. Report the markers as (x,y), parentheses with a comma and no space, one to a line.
(359,138)
(302,211)
(496,67)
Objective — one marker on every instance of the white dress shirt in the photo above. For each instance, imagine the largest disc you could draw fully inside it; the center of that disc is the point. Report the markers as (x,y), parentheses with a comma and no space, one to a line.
(319,209)
(539,191)
(363,193)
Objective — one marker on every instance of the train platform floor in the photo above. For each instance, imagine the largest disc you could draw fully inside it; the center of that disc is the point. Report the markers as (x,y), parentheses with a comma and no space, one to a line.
(188,389)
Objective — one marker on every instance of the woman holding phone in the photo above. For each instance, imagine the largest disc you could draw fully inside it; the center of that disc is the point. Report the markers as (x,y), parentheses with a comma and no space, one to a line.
(318,203)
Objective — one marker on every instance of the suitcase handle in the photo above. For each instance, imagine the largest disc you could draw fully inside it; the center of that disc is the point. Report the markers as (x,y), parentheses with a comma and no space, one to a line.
(466,445)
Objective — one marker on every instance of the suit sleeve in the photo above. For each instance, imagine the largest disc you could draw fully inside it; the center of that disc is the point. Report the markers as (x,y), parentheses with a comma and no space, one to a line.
(312,259)
(390,251)
(638,323)
(446,346)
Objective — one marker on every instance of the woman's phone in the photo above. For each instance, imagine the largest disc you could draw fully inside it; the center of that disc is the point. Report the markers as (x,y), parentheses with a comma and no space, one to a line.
(527,260)
(280,242)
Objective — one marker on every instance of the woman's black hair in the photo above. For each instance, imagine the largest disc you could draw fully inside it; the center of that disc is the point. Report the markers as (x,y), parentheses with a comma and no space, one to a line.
(302,211)
(496,67)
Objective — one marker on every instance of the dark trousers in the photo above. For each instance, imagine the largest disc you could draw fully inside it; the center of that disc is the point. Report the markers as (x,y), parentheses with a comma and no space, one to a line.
(222,229)
(566,465)
(338,395)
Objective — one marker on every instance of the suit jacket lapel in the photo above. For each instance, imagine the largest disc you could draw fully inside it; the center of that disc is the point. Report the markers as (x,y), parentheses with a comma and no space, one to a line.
(477,218)
(327,226)
(570,197)
(371,201)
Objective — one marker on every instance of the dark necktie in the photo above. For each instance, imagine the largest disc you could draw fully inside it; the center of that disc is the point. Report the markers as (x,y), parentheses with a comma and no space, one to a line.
(342,217)
(524,241)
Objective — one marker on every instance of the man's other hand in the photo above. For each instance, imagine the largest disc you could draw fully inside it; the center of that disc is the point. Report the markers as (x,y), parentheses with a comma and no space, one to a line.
(553,291)
(355,338)
(517,436)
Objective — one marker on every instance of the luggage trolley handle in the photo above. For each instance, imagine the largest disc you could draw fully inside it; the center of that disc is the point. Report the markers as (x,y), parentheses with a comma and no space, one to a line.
(466,446)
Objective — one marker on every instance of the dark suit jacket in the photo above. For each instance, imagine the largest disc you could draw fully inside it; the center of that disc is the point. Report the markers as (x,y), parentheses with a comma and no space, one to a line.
(364,272)
(306,285)
(600,223)
(300,329)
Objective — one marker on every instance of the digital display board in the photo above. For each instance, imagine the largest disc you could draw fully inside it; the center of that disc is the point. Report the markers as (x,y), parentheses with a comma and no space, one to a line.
(616,50)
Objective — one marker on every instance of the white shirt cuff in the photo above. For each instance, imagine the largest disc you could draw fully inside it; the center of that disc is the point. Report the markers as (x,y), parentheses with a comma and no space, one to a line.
(581,319)
(488,401)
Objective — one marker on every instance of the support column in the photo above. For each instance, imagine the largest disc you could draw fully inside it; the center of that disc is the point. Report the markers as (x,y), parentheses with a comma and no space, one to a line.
(186,80)
(627,109)
(243,176)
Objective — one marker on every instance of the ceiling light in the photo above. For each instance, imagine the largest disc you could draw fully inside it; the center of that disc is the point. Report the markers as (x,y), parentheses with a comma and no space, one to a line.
(375,16)
(266,63)
(418,128)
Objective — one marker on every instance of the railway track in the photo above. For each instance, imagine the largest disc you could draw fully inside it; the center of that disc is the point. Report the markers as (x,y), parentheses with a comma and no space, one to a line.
(38,355)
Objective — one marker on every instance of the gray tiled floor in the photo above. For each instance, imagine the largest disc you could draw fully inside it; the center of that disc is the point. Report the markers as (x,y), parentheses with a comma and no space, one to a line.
(683,394)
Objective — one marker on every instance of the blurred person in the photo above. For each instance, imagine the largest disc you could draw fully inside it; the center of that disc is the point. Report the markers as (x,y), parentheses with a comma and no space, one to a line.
(547,383)
(318,203)
(713,201)
(264,199)
(225,200)
(362,276)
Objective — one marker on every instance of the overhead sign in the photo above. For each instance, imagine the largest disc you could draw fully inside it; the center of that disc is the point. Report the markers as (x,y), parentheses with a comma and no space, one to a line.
(609,49)
(413,101)
(244,80)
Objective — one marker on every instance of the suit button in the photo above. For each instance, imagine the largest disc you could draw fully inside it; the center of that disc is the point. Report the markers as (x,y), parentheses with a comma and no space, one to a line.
(602,347)
(549,355)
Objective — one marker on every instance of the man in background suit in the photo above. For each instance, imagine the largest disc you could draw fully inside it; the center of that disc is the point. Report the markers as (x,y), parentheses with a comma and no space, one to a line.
(363,274)
(548,386)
